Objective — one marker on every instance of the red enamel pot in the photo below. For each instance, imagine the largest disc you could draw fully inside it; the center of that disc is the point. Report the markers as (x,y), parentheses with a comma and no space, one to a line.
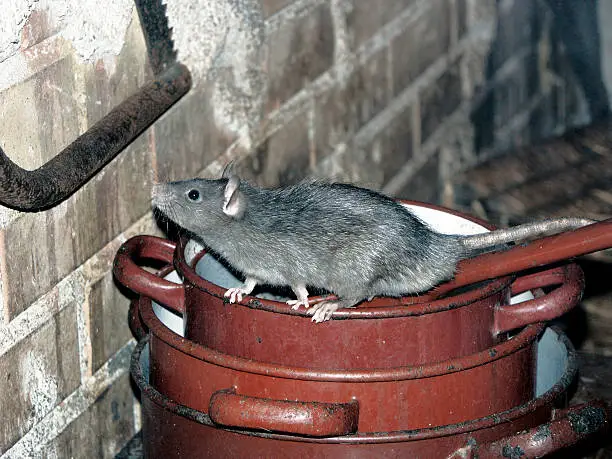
(383,333)
(173,428)
(252,394)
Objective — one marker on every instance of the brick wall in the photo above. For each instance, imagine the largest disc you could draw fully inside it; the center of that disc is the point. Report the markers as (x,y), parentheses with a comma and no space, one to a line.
(380,96)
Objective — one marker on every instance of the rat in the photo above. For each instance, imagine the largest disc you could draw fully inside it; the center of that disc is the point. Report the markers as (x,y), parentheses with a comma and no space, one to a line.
(351,241)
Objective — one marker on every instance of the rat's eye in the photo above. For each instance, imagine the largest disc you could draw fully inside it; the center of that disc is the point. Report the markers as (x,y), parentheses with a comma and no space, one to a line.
(194,195)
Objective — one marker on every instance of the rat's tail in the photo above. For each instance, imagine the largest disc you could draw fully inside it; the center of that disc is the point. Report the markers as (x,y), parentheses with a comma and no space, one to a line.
(523,232)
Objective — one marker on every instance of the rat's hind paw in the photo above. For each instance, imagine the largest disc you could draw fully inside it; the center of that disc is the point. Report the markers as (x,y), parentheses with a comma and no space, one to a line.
(323,311)
(295,304)
(235,294)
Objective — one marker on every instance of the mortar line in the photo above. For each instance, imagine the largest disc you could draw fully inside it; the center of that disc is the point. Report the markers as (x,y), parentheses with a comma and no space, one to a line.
(83,317)
(392,29)
(293,11)
(3,275)
(26,63)
(342,50)
(153,154)
(73,406)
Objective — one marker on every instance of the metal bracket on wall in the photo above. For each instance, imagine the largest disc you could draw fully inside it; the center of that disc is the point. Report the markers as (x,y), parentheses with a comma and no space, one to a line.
(59,178)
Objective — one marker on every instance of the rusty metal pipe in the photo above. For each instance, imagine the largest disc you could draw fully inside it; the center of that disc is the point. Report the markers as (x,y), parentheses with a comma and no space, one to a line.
(574,425)
(60,177)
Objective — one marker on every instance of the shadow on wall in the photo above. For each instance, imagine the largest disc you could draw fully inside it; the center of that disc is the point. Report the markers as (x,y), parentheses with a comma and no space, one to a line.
(544,59)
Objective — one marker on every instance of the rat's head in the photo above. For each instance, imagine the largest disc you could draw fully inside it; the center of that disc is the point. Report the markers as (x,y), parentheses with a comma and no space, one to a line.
(200,205)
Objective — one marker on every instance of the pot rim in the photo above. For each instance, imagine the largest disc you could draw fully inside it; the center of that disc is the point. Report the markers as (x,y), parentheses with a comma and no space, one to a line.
(371,437)
(143,307)
(378,308)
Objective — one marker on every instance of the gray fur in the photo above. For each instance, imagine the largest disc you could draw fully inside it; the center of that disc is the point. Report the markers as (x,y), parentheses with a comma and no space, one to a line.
(351,241)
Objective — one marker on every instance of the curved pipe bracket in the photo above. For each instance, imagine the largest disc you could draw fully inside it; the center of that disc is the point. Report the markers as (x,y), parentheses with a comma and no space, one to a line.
(53,182)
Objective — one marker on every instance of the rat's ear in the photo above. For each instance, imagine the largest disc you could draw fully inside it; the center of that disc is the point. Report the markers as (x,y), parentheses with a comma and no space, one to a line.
(233,200)
(228,170)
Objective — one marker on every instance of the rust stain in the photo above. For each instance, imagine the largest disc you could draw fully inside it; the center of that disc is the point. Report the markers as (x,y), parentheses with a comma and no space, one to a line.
(543,433)
(35,29)
(512,452)
(588,420)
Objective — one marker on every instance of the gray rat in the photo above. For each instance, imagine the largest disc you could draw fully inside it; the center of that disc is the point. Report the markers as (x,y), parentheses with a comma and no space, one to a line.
(351,241)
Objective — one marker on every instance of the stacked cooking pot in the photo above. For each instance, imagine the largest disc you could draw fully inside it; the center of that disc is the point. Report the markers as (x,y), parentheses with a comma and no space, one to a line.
(471,374)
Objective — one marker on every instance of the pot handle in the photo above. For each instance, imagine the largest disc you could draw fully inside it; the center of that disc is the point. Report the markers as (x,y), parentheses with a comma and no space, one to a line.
(566,428)
(135,278)
(315,419)
(570,280)
(137,326)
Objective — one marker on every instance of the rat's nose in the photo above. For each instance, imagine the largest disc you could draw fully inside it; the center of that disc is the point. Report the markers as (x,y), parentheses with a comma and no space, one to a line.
(160,194)
(159,189)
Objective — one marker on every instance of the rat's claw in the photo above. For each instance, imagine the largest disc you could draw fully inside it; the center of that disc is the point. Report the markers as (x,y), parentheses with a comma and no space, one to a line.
(295,304)
(322,312)
(234,293)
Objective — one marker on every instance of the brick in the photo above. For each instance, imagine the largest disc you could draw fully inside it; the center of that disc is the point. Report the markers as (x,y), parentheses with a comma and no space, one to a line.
(107,320)
(517,28)
(37,28)
(393,147)
(532,74)
(282,159)
(483,11)
(440,100)
(102,430)
(510,97)
(398,144)
(570,93)
(298,52)
(341,113)
(29,262)
(187,138)
(355,164)
(40,115)
(462,18)
(108,86)
(365,19)
(425,184)
(515,93)
(427,39)
(273,6)
(37,373)
(543,119)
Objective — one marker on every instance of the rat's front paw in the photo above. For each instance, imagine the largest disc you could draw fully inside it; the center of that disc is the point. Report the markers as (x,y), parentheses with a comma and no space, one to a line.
(322,311)
(235,294)
(295,304)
